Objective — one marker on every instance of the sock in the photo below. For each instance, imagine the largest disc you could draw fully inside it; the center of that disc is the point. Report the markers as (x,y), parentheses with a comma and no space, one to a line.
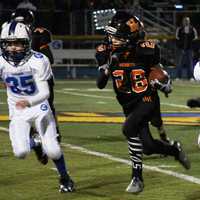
(135,152)
(60,165)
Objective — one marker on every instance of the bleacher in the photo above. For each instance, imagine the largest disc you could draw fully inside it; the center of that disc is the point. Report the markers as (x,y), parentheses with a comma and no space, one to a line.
(74,63)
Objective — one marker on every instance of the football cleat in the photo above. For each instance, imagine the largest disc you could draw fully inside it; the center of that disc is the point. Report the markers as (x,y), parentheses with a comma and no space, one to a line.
(135,186)
(41,156)
(181,156)
(66,184)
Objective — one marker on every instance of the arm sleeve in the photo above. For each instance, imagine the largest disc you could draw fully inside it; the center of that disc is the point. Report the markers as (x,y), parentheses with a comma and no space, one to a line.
(43,72)
(197,71)
(43,93)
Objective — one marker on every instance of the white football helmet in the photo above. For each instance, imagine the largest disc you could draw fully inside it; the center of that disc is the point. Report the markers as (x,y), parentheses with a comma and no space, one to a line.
(15,34)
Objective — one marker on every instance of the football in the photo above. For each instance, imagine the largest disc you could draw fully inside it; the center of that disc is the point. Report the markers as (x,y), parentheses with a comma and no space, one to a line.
(158,73)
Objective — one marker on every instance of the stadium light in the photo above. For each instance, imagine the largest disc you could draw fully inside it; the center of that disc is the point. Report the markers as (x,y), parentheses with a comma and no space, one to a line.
(101,18)
(178,6)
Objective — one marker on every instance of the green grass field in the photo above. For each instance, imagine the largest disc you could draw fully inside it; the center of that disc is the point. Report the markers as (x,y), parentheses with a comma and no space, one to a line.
(96,153)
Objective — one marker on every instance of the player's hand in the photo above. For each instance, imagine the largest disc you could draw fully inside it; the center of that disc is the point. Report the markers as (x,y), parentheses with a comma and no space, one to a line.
(166,88)
(22,104)
(39,29)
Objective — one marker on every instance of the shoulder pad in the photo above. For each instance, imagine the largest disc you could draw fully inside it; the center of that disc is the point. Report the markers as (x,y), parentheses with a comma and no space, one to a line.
(148,51)
(146,44)
(38,55)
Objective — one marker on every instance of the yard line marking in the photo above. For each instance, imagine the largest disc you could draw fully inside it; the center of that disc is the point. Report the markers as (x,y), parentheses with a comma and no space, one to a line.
(84,95)
(124,161)
(109,97)
(4,129)
(151,168)
(175,105)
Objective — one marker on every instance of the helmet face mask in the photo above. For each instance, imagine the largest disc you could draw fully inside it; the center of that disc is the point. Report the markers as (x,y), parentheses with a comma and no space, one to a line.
(15,43)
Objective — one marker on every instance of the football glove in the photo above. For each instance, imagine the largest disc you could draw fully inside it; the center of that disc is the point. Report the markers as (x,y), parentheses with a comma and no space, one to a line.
(166,88)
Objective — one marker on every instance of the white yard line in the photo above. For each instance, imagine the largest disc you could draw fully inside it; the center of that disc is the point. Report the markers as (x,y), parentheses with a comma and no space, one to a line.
(4,129)
(151,168)
(83,95)
(63,91)
(175,105)
(127,162)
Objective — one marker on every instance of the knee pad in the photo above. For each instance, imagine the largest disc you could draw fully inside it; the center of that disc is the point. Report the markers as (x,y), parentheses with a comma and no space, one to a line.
(54,154)
(52,148)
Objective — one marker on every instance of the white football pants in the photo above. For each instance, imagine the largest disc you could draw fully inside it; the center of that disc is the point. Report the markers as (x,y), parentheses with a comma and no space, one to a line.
(19,130)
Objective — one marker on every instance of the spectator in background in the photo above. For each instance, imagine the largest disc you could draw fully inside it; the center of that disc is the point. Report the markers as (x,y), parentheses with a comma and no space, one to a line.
(185,35)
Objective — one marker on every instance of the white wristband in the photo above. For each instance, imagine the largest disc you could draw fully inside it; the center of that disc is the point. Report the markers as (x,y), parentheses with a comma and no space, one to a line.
(104,67)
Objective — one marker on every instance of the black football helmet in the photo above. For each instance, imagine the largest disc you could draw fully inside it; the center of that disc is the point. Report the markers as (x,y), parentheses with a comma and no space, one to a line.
(23,15)
(126,28)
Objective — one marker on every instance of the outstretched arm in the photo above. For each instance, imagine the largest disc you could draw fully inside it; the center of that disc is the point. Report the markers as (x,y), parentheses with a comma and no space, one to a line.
(102,58)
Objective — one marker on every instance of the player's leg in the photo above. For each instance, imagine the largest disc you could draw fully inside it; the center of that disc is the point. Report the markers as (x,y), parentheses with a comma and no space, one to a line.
(154,146)
(130,130)
(179,66)
(47,129)
(157,121)
(19,136)
(36,145)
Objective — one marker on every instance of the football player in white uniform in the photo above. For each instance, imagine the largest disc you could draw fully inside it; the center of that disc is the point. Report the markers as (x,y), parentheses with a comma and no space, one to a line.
(25,73)
(196,74)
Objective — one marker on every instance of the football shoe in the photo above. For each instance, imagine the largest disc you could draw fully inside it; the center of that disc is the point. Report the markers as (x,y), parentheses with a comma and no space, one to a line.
(66,184)
(136,186)
(181,156)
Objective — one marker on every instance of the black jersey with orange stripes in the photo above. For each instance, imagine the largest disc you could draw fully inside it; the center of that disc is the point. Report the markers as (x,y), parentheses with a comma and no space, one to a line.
(129,69)
(41,37)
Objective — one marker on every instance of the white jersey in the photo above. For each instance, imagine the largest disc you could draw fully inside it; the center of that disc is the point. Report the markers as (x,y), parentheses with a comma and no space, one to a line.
(21,81)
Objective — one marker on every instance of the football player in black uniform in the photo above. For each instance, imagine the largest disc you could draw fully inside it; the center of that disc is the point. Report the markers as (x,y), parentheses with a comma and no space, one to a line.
(127,60)
(193,103)
(41,37)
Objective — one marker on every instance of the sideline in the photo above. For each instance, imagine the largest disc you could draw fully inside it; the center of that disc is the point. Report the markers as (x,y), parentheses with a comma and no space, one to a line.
(127,162)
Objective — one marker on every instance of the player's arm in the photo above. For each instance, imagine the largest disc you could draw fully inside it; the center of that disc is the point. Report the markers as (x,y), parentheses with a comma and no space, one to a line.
(43,93)
(41,76)
(102,58)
